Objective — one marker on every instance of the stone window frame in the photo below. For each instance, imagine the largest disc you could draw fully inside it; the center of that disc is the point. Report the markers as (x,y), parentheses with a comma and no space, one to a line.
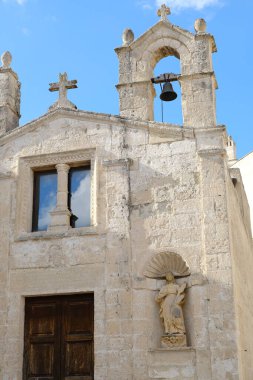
(26,167)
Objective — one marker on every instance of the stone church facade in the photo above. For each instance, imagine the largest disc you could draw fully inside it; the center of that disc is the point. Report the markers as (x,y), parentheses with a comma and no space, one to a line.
(75,300)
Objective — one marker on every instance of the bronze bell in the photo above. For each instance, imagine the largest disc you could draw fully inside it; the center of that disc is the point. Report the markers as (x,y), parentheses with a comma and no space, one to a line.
(168,93)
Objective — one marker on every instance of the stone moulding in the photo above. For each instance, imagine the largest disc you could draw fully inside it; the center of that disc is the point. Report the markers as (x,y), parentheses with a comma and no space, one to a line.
(72,232)
(120,162)
(212,152)
(6,176)
(58,158)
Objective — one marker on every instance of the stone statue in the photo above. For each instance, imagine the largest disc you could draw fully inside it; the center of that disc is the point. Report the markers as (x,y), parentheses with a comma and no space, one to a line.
(171,296)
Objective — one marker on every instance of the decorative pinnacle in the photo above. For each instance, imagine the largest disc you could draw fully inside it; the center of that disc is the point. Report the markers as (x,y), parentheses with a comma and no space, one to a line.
(127,37)
(6,59)
(200,25)
(163,12)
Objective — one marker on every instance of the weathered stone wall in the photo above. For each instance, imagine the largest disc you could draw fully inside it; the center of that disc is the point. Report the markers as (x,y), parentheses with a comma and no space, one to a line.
(245,165)
(166,214)
(218,266)
(241,250)
(5,215)
(159,187)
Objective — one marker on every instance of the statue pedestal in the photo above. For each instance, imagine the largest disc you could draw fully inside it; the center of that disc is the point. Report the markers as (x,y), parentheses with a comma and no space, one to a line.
(164,363)
(173,340)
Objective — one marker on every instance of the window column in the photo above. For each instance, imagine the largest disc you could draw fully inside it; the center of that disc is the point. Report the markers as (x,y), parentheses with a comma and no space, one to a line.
(60,216)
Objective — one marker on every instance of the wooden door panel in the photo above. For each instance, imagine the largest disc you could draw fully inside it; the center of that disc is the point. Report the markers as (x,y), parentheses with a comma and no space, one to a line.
(78,338)
(78,317)
(78,359)
(40,348)
(43,320)
(42,359)
(59,338)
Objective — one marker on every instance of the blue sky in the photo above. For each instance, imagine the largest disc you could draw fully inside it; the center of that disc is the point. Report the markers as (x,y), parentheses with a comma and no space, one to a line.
(46,37)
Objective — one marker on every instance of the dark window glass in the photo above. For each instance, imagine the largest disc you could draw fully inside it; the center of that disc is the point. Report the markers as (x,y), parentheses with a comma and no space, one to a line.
(44,198)
(79,196)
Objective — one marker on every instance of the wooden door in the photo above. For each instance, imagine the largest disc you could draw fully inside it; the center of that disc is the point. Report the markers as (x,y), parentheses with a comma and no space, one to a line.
(59,338)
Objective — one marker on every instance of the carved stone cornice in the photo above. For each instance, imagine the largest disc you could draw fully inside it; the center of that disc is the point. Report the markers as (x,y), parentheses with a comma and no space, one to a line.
(58,158)
(6,176)
(119,162)
(212,152)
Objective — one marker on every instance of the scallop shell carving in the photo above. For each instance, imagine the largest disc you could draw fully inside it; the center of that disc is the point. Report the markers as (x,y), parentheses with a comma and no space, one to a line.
(164,262)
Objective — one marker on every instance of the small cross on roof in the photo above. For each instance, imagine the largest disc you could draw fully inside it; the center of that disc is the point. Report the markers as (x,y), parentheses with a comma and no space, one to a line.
(163,12)
(62,86)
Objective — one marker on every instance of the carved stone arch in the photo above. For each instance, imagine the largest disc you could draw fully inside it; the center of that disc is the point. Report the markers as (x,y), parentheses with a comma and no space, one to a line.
(162,48)
(163,31)
(137,62)
(165,40)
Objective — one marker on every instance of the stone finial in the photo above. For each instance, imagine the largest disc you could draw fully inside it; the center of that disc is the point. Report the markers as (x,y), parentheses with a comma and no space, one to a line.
(9,95)
(200,25)
(231,150)
(163,12)
(6,59)
(62,86)
(127,37)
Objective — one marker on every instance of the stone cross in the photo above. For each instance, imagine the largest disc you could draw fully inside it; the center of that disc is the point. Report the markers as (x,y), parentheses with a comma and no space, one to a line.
(62,86)
(163,12)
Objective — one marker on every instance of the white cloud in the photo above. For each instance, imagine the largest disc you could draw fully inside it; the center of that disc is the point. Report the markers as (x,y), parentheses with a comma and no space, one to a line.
(51,18)
(178,5)
(145,4)
(19,2)
(81,201)
(44,213)
(25,31)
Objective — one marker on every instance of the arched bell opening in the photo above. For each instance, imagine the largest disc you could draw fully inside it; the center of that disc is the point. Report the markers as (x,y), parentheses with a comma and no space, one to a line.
(150,55)
(168,111)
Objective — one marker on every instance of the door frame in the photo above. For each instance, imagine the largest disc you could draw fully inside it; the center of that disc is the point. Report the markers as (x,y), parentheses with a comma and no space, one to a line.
(60,299)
